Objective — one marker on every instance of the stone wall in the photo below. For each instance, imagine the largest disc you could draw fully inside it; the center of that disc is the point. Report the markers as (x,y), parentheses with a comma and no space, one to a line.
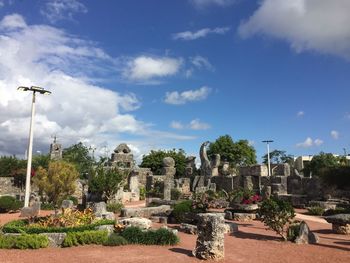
(7,187)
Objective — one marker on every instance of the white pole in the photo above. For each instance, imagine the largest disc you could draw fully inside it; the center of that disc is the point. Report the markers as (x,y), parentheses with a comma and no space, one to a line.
(268,158)
(30,151)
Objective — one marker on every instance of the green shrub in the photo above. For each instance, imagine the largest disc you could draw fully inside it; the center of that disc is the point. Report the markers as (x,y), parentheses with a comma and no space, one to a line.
(24,241)
(293,231)
(73,199)
(338,210)
(142,193)
(315,210)
(47,206)
(162,236)
(9,203)
(85,238)
(21,226)
(277,215)
(175,194)
(115,240)
(181,209)
(114,207)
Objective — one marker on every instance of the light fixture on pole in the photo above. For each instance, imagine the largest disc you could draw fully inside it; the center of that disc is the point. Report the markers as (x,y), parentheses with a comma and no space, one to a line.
(268,155)
(35,90)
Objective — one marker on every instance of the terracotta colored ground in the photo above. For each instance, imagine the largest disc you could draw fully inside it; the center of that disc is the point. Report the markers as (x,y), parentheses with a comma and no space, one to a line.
(251,244)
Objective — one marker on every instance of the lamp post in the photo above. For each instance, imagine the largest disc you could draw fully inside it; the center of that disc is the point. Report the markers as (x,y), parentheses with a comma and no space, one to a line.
(268,155)
(35,90)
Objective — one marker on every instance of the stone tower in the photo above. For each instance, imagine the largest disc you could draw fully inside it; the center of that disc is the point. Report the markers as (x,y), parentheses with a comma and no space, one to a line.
(55,150)
(122,157)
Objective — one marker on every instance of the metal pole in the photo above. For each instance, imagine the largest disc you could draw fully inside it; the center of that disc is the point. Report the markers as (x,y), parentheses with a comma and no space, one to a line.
(268,159)
(30,151)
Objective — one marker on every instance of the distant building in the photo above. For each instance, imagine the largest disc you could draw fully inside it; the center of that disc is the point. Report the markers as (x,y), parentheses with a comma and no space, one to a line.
(55,150)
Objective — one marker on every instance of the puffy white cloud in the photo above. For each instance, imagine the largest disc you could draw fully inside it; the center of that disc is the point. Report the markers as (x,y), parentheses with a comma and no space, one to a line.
(309,143)
(176,125)
(146,68)
(200,4)
(177,98)
(189,35)
(300,114)
(335,135)
(195,124)
(78,109)
(201,62)
(316,25)
(55,10)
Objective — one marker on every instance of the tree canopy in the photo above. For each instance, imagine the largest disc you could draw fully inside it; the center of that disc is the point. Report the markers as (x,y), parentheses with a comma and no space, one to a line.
(320,162)
(277,156)
(239,153)
(154,160)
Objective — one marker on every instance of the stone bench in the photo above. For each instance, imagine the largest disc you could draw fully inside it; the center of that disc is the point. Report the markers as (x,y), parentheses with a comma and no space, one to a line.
(145,212)
(340,223)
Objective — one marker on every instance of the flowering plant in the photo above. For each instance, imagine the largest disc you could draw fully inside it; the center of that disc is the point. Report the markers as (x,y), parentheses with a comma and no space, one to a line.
(252,199)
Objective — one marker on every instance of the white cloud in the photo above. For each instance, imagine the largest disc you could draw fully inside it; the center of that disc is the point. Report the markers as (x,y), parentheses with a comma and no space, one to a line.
(195,124)
(77,109)
(177,98)
(315,25)
(347,116)
(55,10)
(146,68)
(188,35)
(335,135)
(300,113)
(200,4)
(309,143)
(201,62)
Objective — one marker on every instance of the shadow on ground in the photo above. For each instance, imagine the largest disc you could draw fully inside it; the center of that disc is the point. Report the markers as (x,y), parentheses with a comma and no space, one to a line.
(186,252)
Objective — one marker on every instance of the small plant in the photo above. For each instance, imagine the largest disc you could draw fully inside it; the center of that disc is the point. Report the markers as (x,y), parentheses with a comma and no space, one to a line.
(24,241)
(162,236)
(181,209)
(142,193)
(277,215)
(114,207)
(315,210)
(9,203)
(85,238)
(175,194)
(293,231)
(47,206)
(115,240)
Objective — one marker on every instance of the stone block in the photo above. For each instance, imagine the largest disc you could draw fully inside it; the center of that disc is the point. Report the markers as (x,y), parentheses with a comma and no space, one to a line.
(244,217)
(146,212)
(188,228)
(305,236)
(228,215)
(67,204)
(55,239)
(231,228)
(99,209)
(259,170)
(140,222)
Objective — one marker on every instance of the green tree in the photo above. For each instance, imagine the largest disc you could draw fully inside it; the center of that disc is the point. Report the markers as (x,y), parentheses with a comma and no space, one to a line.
(10,164)
(58,181)
(79,155)
(42,160)
(238,153)
(154,160)
(320,162)
(106,182)
(277,156)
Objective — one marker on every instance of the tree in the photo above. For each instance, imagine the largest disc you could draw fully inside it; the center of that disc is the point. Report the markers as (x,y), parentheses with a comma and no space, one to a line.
(321,162)
(106,182)
(58,181)
(278,156)
(10,164)
(42,160)
(78,154)
(154,160)
(238,153)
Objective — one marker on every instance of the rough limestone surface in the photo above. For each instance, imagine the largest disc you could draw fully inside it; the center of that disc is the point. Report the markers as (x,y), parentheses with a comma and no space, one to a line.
(210,240)
(99,209)
(244,217)
(228,215)
(146,212)
(340,223)
(305,236)
(55,239)
(140,222)
(231,228)
(188,228)
(67,204)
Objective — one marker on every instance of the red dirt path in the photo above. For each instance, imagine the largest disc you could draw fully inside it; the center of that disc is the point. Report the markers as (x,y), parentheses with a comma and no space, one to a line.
(251,244)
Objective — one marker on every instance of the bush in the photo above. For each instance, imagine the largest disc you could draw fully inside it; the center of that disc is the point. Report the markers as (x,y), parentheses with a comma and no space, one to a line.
(22,226)
(114,207)
(47,206)
(175,194)
(24,241)
(142,193)
(85,238)
(9,203)
(162,236)
(338,210)
(73,199)
(315,210)
(277,215)
(293,231)
(181,209)
(115,240)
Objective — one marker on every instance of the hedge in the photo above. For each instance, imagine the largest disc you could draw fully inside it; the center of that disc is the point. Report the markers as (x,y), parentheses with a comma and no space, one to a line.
(24,241)
(85,238)
(115,240)
(161,236)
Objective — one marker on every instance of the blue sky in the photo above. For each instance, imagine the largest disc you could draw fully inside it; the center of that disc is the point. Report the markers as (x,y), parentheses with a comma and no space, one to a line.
(172,74)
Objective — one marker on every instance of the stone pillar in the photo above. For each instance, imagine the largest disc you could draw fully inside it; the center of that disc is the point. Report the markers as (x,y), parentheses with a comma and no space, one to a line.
(210,240)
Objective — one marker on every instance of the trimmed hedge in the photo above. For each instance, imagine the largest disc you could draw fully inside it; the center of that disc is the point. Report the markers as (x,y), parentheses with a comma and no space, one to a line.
(161,236)
(9,203)
(24,241)
(115,240)
(181,209)
(316,210)
(85,238)
(21,226)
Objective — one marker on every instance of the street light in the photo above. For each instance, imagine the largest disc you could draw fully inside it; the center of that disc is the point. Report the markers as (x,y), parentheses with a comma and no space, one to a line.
(35,90)
(268,155)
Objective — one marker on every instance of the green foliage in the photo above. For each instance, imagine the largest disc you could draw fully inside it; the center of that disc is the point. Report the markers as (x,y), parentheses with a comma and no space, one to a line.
(114,207)
(73,199)
(85,238)
(277,215)
(240,194)
(293,231)
(9,164)
(338,210)
(115,240)
(142,193)
(24,241)
(315,210)
(41,160)
(181,209)
(154,160)
(107,181)
(336,176)
(320,162)
(79,155)
(278,156)
(175,194)
(22,226)
(9,203)
(57,182)
(162,236)
(47,206)
(238,153)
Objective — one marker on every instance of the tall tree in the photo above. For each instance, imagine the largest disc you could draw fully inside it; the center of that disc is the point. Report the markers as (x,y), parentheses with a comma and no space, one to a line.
(320,162)
(239,153)
(277,156)
(154,160)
